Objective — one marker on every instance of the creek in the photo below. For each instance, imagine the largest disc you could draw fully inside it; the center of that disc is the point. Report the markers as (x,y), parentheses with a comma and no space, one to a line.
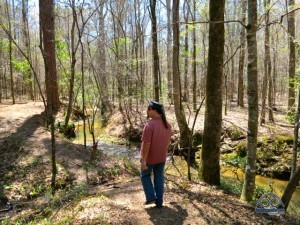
(228,173)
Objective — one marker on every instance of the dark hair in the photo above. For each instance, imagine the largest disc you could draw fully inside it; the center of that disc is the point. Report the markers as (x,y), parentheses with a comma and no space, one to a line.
(160,110)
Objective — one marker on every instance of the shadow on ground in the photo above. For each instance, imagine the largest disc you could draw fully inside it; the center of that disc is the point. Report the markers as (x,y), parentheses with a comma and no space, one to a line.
(12,148)
(167,215)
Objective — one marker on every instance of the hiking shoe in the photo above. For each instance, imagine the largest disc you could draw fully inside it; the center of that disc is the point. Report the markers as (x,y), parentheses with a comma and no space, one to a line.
(150,202)
(158,206)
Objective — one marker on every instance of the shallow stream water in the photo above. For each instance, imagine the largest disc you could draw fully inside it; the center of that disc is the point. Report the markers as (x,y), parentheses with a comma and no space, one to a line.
(132,151)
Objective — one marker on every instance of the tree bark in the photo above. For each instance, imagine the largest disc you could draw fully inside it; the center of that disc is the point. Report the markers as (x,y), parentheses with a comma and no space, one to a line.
(267,65)
(271,87)
(186,53)
(46,8)
(296,136)
(26,41)
(179,111)
(194,72)
(250,170)
(209,170)
(10,55)
(292,56)
(48,34)
(73,49)
(105,104)
(290,188)
(169,51)
(242,57)
(155,56)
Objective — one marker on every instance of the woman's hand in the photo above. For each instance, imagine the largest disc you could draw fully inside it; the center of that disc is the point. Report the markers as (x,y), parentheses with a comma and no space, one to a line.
(143,165)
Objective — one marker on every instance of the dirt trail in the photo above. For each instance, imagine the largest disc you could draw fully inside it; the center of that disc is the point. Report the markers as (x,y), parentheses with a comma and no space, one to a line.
(120,201)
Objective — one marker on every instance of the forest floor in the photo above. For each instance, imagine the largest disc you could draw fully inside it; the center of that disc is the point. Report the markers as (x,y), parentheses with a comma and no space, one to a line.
(108,191)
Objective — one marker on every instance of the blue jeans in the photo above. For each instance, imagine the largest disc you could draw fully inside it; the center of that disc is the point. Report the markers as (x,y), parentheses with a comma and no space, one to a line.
(156,191)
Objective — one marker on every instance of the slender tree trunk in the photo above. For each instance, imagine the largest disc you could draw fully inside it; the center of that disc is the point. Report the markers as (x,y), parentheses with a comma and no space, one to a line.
(290,188)
(48,36)
(274,77)
(267,65)
(73,64)
(242,57)
(292,56)
(179,111)
(1,87)
(143,67)
(1,77)
(270,88)
(169,51)
(137,47)
(226,89)
(10,55)
(194,60)
(154,50)
(27,45)
(80,31)
(119,51)
(209,170)
(186,54)
(5,83)
(296,136)
(105,105)
(270,99)
(250,170)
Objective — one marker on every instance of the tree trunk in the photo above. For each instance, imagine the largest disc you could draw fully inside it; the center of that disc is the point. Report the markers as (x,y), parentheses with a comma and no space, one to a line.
(47,26)
(10,55)
(119,49)
(209,169)
(73,64)
(186,53)
(274,74)
(194,60)
(169,51)
(270,90)
(267,65)
(48,35)
(155,57)
(179,111)
(242,57)
(296,136)
(137,48)
(292,57)
(26,41)
(105,105)
(250,170)
(290,188)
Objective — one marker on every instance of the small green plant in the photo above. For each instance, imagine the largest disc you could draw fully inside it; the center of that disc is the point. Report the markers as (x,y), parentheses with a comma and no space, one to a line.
(4,221)
(68,131)
(235,161)
(241,149)
(130,167)
(290,116)
(234,132)
(231,186)
(115,171)
(36,190)
(258,192)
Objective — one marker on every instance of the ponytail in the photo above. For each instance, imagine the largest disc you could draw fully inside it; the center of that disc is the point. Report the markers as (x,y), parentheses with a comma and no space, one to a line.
(163,117)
